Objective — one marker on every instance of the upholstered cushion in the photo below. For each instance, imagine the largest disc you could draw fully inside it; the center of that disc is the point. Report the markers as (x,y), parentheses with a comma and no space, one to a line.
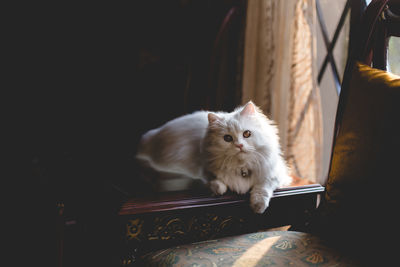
(276,248)
(360,193)
(368,133)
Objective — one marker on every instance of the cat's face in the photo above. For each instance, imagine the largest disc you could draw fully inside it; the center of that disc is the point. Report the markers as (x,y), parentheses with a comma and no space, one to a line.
(231,137)
(236,134)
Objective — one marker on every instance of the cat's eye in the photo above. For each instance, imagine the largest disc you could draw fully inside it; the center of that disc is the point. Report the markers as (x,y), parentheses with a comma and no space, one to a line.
(228,138)
(246,134)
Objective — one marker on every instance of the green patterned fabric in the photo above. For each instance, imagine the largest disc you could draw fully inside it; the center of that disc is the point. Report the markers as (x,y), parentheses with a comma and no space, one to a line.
(276,248)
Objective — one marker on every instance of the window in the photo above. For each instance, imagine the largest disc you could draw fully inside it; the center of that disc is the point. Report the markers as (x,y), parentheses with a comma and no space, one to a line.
(332,42)
(394,55)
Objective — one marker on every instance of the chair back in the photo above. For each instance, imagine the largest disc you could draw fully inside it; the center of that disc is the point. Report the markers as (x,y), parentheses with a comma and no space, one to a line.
(368,42)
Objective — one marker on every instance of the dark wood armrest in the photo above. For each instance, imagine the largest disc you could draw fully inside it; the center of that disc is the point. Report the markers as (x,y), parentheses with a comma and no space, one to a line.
(187,200)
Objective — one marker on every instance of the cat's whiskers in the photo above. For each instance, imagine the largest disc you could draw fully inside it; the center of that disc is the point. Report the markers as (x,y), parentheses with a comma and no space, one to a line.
(216,158)
(228,159)
(258,160)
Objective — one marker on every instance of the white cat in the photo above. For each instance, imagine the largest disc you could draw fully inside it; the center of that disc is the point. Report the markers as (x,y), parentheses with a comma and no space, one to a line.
(238,150)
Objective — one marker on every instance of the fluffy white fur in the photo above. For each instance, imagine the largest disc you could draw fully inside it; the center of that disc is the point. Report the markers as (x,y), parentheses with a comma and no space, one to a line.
(194,145)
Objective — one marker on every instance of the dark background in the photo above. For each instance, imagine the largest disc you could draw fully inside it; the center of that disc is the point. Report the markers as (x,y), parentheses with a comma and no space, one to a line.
(88,81)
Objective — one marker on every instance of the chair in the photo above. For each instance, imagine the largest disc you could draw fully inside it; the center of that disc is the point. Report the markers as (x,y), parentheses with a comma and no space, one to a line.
(356,222)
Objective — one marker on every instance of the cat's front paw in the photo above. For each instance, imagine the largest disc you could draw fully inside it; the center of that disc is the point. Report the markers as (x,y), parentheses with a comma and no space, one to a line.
(218,187)
(259,203)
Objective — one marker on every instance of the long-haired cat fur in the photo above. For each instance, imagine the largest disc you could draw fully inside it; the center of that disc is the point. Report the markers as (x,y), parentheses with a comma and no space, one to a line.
(239,151)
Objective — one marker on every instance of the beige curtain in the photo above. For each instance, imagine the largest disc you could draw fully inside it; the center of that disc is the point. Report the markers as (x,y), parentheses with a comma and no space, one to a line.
(280,76)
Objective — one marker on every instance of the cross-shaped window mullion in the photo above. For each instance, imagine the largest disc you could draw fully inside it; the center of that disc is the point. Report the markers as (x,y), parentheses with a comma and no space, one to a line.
(331,45)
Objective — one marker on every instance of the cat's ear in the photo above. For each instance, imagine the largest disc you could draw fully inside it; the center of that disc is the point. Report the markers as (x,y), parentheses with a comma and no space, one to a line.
(213,117)
(249,109)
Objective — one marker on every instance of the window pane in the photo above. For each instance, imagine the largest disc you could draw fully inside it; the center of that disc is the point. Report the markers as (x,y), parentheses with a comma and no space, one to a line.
(331,10)
(394,55)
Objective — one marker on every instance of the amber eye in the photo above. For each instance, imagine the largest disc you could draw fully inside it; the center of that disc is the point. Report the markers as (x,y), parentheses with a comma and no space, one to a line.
(246,134)
(228,138)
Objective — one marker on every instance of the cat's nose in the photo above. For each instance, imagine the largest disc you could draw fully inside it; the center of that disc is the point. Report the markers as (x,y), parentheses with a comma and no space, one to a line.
(239,145)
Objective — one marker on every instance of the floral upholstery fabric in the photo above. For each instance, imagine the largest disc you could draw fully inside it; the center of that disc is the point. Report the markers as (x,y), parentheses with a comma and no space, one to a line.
(276,248)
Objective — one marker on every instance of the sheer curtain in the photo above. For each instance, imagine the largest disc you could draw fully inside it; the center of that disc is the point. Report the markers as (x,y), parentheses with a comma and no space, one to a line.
(280,76)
